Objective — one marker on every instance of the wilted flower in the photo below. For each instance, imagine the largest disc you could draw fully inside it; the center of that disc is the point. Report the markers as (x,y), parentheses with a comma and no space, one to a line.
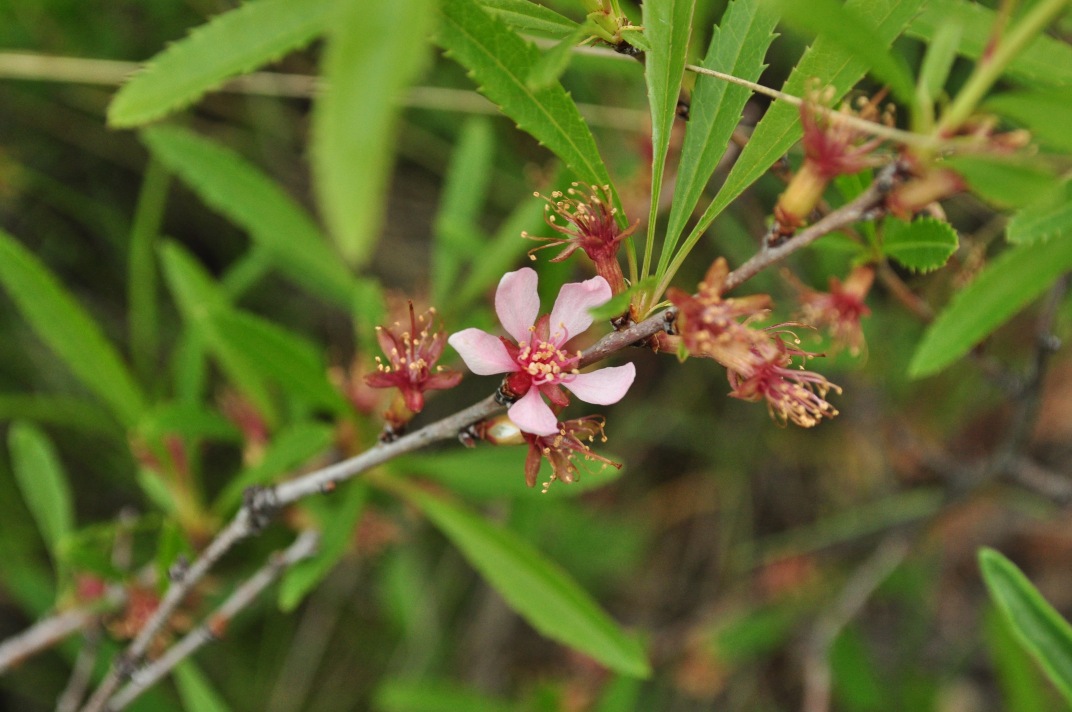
(840,310)
(832,147)
(539,363)
(411,368)
(589,224)
(562,449)
(792,393)
(709,325)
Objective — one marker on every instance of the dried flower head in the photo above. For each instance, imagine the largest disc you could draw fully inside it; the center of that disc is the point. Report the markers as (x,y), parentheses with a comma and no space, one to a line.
(717,328)
(792,393)
(585,220)
(564,447)
(412,354)
(840,310)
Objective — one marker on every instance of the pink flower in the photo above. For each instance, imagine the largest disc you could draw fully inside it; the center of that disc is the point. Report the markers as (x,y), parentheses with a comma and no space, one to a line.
(538,363)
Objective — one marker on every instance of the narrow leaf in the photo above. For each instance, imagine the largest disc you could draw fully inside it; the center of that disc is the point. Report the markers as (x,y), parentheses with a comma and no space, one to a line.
(1037,626)
(77,413)
(1005,287)
(941,53)
(1046,61)
(537,589)
(142,285)
(1049,218)
(197,693)
(230,44)
(554,62)
(1004,182)
(43,483)
(68,330)
(668,27)
(337,523)
(853,33)
(375,50)
(737,47)
(1020,680)
(780,127)
(922,245)
(500,62)
(1047,113)
(435,696)
(530,18)
(238,190)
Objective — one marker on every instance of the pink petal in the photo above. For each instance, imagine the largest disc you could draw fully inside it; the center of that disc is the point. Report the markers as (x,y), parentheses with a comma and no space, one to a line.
(483,353)
(602,387)
(517,303)
(570,316)
(532,415)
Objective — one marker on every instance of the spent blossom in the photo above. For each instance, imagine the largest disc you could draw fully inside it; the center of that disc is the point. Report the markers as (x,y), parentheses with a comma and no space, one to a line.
(589,223)
(411,354)
(563,448)
(839,310)
(537,362)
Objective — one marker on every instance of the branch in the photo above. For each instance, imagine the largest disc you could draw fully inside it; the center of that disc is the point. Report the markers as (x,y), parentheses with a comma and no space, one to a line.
(48,632)
(216,624)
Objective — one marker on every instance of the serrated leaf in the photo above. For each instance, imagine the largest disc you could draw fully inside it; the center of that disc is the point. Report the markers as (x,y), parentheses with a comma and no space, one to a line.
(375,50)
(1048,218)
(738,47)
(853,33)
(1047,113)
(242,193)
(68,330)
(554,62)
(500,62)
(1045,61)
(544,595)
(1007,285)
(229,44)
(197,693)
(531,18)
(291,447)
(780,127)
(337,521)
(668,27)
(922,245)
(43,483)
(1002,181)
(1038,627)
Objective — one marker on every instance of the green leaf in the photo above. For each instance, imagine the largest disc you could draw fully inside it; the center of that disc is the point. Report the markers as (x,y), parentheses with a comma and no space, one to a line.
(1037,626)
(500,62)
(290,448)
(69,412)
(737,47)
(337,521)
(490,473)
(189,420)
(375,50)
(68,330)
(277,355)
(435,696)
(238,190)
(554,62)
(142,281)
(536,588)
(1046,61)
(854,34)
(938,61)
(1021,683)
(1004,182)
(668,26)
(1046,219)
(1005,287)
(1047,113)
(922,245)
(197,693)
(43,483)
(619,303)
(780,127)
(530,18)
(230,44)
(465,186)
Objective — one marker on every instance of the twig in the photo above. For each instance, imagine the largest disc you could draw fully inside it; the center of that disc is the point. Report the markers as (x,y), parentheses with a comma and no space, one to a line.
(48,632)
(216,624)
(82,673)
(887,557)
(859,209)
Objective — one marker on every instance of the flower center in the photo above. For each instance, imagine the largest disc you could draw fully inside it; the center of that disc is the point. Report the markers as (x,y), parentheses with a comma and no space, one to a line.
(544,362)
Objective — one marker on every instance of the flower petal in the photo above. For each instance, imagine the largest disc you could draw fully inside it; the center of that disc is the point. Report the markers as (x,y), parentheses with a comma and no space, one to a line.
(483,353)
(517,303)
(602,387)
(570,316)
(532,415)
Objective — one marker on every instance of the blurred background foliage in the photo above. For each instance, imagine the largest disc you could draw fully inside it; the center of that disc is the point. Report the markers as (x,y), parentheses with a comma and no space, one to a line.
(744,554)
